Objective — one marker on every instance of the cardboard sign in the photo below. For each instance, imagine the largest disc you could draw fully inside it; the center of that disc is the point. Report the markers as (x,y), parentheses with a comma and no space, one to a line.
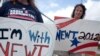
(25,38)
(77,36)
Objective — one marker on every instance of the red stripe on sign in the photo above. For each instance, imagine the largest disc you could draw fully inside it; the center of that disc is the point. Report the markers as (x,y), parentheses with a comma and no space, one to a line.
(59,17)
(92,44)
(61,25)
(88,52)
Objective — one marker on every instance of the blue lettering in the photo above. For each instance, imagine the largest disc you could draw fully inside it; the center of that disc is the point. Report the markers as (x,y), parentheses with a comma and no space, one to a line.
(47,38)
(58,35)
(63,34)
(39,37)
(74,33)
(33,36)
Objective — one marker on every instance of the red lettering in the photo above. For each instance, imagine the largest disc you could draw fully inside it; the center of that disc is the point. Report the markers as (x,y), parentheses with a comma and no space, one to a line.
(35,48)
(12,50)
(29,54)
(6,52)
(41,47)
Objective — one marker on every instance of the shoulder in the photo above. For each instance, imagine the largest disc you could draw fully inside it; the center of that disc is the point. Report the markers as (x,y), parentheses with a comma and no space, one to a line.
(37,10)
(7,3)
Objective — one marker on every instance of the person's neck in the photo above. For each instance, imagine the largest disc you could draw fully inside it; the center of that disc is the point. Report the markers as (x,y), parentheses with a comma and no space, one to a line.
(23,2)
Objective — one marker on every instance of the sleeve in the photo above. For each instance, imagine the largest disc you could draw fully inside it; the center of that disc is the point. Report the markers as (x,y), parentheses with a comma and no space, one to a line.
(38,16)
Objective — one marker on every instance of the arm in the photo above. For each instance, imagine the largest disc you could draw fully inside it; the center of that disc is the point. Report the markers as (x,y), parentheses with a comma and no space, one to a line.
(38,16)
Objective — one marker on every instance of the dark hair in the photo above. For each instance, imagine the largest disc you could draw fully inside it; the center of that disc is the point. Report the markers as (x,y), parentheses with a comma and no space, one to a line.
(31,2)
(84,9)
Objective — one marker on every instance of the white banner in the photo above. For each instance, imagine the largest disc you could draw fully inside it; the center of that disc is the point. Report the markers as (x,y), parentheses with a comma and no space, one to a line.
(24,38)
(77,36)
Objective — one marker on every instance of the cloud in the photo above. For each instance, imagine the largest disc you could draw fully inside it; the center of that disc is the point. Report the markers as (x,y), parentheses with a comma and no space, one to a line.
(54,5)
(92,13)
(61,12)
(66,12)
(95,0)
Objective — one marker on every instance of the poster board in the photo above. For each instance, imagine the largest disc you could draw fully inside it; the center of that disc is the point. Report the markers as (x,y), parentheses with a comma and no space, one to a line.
(77,35)
(26,38)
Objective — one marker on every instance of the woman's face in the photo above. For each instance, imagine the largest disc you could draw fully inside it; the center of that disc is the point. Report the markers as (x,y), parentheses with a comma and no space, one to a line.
(78,12)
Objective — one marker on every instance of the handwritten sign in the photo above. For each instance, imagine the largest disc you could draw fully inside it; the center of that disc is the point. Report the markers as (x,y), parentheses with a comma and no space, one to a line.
(77,36)
(25,38)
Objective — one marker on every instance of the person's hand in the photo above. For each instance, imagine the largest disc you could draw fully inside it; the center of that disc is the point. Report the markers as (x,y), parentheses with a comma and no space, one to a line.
(58,26)
(98,38)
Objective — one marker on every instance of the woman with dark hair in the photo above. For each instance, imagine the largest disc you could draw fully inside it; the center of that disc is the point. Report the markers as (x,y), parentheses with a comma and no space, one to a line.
(21,9)
(79,11)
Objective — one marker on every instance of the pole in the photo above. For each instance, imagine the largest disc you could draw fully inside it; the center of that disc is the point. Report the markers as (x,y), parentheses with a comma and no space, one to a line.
(47,17)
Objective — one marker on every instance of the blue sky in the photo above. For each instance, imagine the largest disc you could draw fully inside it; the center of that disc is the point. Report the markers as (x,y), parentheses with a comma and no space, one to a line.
(53,8)
(52,5)
(64,8)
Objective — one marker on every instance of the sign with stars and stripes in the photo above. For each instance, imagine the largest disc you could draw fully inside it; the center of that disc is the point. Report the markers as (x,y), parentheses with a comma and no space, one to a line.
(77,35)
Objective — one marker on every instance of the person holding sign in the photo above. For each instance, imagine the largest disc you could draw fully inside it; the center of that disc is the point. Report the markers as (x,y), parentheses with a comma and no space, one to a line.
(21,9)
(78,13)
